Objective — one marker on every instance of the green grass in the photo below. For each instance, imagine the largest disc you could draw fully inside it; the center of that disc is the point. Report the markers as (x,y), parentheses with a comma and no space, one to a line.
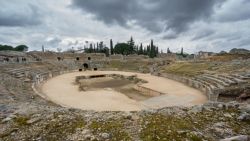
(187,69)
(21,120)
(56,129)
(59,129)
(127,65)
(113,127)
(159,128)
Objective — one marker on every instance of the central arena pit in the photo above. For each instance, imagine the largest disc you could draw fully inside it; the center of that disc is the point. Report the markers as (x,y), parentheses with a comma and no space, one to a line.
(119,91)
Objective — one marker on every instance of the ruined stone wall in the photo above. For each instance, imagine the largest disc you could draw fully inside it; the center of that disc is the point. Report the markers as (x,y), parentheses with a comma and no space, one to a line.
(135,57)
(211,94)
(167,56)
(14,57)
(68,56)
(116,57)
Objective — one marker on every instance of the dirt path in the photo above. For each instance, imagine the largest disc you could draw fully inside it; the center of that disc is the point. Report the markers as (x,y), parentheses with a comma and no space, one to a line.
(63,91)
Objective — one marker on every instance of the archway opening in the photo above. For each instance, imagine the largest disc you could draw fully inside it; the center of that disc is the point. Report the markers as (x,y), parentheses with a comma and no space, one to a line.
(86,66)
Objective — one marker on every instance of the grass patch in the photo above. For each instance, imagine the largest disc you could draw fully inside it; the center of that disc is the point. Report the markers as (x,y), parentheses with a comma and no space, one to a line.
(187,69)
(114,128)
(158,127)
(57,128)
(21,121)
(128,65)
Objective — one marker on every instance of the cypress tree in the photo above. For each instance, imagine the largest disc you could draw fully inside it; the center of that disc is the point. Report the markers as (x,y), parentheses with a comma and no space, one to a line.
(111,47)
(91,48)
(156,51)
(148,50)
(131,44)
(152,50)
(168,51)
(141,50)
(97,47)
(94,49)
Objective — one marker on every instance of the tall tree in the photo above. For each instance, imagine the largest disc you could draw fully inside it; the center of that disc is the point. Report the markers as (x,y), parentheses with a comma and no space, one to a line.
(131,44)
(168,51)
(101,45)
(156,51)
(182,53)
(43,49)
(152,53)
(148,50)
(94,49)
(21,48)
(91,50)
(141,49)
(97,47)
(111,47)
(137,50)
(122,48)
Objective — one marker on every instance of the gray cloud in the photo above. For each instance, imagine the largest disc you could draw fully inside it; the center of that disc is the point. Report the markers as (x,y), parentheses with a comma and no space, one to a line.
(53,40)
(244,42)
(211,25)
(156,16)
(170,36)
(233,10)
(203,34)
(18,13)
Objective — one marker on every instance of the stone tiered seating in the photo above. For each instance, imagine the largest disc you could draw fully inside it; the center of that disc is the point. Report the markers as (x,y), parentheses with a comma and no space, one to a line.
(205,83)
(35,57)
(220,81)
(240,77)
(210,81)
(6,95)
(18,73)
(216,79)
(233,78)
(23,73)
(230,80)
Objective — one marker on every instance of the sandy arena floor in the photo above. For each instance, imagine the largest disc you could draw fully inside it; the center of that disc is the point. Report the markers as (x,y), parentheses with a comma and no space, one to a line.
(63,91)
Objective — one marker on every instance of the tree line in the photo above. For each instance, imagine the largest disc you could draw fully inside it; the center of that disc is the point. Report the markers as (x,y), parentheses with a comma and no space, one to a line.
(99,47)
(127,48)
(11,48)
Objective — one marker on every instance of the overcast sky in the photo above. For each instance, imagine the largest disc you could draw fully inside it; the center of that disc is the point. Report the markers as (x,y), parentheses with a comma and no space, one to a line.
(208,25)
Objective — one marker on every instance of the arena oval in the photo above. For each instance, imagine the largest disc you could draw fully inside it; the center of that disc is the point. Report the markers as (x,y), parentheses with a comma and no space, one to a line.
(163,92)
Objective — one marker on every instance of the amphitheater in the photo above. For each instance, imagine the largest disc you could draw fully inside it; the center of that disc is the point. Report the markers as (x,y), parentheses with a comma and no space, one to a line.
(122,97)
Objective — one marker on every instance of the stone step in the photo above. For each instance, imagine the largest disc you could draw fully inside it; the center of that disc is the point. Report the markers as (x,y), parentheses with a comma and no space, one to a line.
(225,79)
(205,83)
(232,80)
(239,77)
(214,78)
(217,85)
(17,70)
(19,76)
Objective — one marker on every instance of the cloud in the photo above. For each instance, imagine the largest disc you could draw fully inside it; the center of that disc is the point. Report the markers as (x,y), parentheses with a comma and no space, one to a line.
(156,16)
(203,34)
(233,11)
(244,43)
(170,35)
(18,13)
(211,25)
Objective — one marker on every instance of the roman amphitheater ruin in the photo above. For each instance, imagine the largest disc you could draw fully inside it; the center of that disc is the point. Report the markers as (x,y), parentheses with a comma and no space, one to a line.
(80,96)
